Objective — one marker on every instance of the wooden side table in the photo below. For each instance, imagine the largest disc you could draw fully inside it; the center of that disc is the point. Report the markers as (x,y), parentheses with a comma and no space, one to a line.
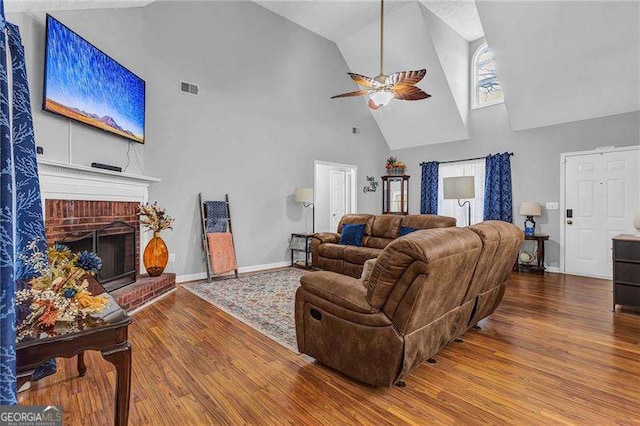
(539,266)
(301,243)
(107,334)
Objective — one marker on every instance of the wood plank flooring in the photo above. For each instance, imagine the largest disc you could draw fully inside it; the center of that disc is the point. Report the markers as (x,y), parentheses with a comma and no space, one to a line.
(553,353)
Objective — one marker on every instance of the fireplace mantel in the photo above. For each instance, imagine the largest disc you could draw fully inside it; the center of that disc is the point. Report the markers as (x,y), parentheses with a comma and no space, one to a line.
(64,181)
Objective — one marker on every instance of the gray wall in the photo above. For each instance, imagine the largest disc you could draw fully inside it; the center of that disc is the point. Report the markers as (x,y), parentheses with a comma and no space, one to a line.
(117,32)
(262,117)
(535,166)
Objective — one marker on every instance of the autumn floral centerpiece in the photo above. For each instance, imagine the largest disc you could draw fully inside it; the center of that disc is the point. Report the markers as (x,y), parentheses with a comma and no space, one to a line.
(395,167)
(156,254)
(58,293)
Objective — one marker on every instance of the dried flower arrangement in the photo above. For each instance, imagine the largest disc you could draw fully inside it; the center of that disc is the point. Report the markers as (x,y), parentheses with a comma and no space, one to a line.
(394,166)
(154,218)
(59,291)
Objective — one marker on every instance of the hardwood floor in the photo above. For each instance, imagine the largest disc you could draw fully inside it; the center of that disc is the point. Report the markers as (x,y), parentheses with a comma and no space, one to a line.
(553,352)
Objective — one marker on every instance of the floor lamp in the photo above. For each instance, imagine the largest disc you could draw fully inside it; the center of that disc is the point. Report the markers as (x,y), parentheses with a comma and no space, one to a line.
(305,196)
(459,188)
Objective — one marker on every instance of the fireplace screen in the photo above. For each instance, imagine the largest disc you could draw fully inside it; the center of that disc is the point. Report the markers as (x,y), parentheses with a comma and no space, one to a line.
(116,246)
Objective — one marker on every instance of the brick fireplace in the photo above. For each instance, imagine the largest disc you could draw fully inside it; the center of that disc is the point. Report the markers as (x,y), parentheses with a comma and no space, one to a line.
(107,227)
(90,208)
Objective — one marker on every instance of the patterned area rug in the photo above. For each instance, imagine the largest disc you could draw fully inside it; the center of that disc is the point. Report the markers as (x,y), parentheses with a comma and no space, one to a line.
(264,301)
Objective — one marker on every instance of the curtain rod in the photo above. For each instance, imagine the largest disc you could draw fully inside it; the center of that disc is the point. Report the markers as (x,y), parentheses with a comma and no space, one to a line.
(460,161)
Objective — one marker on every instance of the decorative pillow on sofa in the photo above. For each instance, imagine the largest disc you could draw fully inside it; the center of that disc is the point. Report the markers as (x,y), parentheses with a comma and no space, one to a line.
(352,234)
(404,230)
(367,269)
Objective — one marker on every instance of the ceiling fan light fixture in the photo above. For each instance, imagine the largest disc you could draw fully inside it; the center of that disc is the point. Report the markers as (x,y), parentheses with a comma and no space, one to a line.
(381,98)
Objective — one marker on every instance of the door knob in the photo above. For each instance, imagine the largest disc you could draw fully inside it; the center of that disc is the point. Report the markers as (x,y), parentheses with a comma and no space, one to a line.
(569,222)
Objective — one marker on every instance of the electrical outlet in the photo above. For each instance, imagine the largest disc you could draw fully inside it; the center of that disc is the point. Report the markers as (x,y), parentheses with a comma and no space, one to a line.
(172,257)
(552,205)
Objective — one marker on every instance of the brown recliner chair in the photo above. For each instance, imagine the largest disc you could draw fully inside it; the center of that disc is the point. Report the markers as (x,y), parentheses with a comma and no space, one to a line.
(419,299)
(379,231)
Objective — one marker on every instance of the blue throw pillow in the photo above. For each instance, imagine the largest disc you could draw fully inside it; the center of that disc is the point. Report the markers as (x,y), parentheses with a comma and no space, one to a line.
(404,230)
(352,235)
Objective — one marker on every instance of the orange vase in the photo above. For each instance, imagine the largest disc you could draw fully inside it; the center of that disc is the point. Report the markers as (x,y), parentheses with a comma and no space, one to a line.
(156,256)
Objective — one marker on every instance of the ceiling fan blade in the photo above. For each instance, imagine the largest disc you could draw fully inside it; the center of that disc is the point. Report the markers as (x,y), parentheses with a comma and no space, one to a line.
(373,105)
(406,77)
(356,93)
(363,80)
(407,92)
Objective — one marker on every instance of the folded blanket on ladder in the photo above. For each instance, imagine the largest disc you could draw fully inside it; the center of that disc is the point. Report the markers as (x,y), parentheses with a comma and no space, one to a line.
(222,256)
(217,216)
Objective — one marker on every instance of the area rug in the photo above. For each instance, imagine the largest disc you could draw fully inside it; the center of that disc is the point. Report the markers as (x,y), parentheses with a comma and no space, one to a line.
(264,301)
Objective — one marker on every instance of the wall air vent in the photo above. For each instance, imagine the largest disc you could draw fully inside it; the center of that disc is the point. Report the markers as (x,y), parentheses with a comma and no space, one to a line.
(189,88)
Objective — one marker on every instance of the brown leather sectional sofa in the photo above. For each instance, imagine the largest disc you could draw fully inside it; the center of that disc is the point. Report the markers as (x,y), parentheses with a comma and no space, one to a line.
(379,231)
(426,289)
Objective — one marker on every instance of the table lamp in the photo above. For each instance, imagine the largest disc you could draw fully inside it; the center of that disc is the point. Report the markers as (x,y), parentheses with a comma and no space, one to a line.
(530,210)
(459,188)
(305,196)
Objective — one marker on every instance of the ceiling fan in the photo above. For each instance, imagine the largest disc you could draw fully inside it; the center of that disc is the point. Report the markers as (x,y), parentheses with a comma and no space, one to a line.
(382,88)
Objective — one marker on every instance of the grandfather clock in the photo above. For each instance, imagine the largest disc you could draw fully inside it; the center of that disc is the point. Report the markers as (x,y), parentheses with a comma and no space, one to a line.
(395,194)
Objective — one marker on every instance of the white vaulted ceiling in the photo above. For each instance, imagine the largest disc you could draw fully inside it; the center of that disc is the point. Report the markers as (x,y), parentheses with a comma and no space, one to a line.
(565,61)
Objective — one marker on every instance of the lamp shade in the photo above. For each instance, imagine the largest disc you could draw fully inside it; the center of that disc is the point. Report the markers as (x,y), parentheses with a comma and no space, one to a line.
(458,187)
(529,208)
(304,195)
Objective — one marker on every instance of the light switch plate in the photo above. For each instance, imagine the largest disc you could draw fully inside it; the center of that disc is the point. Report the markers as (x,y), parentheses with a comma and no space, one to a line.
(172,257)
(552,205)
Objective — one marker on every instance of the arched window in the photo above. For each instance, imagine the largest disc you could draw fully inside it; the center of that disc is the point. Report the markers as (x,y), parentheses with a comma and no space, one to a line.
(486,88)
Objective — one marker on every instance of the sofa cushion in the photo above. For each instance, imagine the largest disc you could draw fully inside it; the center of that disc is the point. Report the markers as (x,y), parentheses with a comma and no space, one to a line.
(386,226)
(352,234)
(359,255)
(332,251)
(427,221)
(349,219)
(376,242)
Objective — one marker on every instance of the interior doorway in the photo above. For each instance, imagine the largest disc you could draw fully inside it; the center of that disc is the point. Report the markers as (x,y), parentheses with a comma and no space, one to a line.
(334,193)
(600,195)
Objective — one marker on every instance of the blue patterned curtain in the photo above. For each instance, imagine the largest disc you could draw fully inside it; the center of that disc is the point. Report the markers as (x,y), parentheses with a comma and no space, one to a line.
(429,188)
(498,203)
(21,215)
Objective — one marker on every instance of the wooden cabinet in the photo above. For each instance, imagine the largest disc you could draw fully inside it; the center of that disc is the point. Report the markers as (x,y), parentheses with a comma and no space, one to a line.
(395,194)
(626,271)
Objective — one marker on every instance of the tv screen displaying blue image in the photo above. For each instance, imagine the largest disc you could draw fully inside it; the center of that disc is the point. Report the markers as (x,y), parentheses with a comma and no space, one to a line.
(84,84)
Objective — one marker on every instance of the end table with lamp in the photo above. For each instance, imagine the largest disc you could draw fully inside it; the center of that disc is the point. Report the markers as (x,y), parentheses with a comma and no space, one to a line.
(531,209)
(301,241)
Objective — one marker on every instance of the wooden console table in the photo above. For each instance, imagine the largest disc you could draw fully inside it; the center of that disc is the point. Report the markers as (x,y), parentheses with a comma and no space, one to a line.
(539,266)
(108,335)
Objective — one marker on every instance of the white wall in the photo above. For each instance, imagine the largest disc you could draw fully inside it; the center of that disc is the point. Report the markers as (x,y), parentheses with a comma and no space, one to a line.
(536,164)
(264,114)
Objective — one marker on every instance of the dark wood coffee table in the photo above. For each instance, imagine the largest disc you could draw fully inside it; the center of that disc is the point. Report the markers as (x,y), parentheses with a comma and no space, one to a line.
(108,335)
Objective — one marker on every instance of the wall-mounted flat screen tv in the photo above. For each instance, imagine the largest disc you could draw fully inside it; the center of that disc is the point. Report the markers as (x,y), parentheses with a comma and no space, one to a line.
(84,84)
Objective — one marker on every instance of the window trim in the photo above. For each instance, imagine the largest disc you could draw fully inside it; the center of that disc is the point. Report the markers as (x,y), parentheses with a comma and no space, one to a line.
(474,81)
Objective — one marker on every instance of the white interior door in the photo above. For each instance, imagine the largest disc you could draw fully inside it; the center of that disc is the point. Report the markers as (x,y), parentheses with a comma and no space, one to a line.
(602,192)
(337,197)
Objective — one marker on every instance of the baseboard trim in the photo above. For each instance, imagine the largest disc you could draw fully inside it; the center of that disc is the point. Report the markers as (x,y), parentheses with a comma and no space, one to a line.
(243,269)
(553,269)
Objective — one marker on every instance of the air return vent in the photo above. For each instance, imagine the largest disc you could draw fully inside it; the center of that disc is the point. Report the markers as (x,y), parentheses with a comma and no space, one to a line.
(189,88)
